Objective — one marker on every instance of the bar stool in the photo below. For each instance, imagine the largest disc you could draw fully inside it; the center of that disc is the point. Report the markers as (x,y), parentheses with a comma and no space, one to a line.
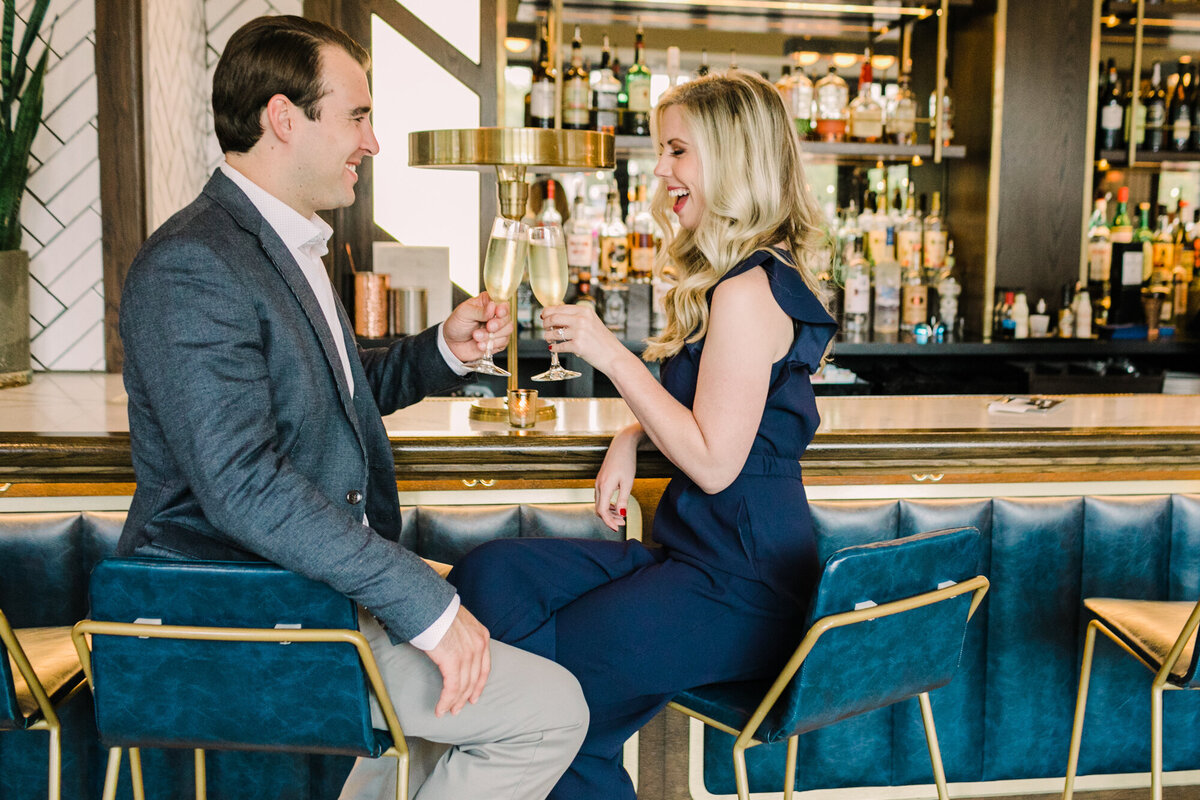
(229,656)
(887,622)
(1159,633)
(48,675)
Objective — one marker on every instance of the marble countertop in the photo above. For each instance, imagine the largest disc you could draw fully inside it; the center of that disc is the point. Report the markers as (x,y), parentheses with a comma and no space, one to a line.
(95,404)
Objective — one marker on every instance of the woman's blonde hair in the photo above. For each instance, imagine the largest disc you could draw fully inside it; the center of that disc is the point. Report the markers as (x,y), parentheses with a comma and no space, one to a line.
(755,196)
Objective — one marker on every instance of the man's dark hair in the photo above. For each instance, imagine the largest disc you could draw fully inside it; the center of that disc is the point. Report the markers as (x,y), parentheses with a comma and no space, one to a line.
(269,56)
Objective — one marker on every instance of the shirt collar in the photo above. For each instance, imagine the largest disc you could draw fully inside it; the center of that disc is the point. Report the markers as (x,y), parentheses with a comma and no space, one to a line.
(309,236)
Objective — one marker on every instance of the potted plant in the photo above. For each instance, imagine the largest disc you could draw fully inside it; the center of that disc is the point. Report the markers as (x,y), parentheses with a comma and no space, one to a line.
(21,92)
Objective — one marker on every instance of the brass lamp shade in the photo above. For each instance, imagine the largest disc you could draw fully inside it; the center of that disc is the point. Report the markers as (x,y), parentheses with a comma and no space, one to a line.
(528,147)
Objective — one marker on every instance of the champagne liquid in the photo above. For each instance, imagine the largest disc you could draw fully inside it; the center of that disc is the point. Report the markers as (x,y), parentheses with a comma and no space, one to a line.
(548,273)
(503,267)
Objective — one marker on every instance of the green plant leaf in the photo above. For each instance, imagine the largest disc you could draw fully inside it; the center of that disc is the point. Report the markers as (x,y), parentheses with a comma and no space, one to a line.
(6,54)
(32,27)
(14,169)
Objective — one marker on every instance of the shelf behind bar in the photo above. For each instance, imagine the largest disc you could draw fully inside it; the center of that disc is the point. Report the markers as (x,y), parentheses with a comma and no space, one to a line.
(1147,159)
(641,146)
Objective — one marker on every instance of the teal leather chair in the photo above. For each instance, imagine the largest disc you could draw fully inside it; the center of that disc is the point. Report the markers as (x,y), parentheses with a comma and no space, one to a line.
(887,623)
(1161,634)
(48,674)
(228,656)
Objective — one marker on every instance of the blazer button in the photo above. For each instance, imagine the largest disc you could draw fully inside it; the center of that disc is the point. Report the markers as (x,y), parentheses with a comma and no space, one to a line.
(354,497)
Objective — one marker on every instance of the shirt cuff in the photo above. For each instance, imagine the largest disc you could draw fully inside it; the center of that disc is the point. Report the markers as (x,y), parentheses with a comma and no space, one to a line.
(452,360)
(431,637)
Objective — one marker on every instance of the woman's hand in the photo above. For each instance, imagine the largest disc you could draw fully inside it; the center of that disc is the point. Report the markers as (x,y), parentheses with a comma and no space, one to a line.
(615,479)
(576,329)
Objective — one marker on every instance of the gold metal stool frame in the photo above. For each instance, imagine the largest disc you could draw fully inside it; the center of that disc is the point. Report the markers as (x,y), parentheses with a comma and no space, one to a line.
(511,151)
(398,750)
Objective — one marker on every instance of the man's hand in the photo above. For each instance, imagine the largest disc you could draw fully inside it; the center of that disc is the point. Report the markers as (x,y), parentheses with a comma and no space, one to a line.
(464,660)
(470,324)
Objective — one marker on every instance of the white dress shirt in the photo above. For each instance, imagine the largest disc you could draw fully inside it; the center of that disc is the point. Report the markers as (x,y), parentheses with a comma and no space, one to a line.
(306,240)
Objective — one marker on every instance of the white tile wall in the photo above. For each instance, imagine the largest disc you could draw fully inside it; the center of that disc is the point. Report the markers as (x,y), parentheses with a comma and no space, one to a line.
(61,209)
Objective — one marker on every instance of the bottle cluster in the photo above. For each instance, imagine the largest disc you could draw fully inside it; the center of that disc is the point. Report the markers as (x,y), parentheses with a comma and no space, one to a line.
(610,262)
(608,99)
(1166,116)
(897,273)
(1139,274)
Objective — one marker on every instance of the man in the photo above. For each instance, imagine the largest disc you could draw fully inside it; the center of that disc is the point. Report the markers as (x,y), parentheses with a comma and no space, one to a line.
(256,420)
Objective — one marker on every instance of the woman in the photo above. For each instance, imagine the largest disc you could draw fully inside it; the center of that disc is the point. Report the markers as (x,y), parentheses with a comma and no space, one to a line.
(724,597)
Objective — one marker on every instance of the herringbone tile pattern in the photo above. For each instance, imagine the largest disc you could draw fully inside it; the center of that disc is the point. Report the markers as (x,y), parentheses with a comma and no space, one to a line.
(61,209)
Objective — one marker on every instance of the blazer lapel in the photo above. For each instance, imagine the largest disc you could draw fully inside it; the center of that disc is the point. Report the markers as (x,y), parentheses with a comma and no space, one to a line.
(233,200)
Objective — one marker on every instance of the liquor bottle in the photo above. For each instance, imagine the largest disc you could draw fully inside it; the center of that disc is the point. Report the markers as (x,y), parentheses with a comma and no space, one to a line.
(702,68)
(1099,257)
(641,238)
(1129,260)
(848,230)
(947,115)
(914,303)
(1163,252)
(541,93)
(802,100)
(856,304)
(784,86)
(1083,313)
(672,66)
(866,115)
(901,113)
(637,87)
(583,292)
(1112,112)
(614,243)
(1066,313)
(580,247)
(1179,110)
(933,241)
(1122,225)
(1156,111)
(832,98)
(576,89)
(1143,232)
(548,215)
(1194,102)
(1020,316)
(605,93)
(878,248)
(887,301)
(908,231)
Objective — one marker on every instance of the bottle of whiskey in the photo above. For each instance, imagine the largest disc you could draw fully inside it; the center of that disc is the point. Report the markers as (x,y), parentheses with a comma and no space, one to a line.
(908,230)
(1099,258)
(856,304)
(1156,111)
(605,93)
(1109,133)
(866,115)
(637,87)
(576,89)
(914,303)
(1179,110)
(541,93)
(641,238)
(614,244)
(832,98)
(901,113)
(933,241)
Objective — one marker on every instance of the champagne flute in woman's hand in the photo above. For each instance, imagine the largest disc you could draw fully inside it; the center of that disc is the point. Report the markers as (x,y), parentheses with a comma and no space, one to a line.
(503,267)
(548,277)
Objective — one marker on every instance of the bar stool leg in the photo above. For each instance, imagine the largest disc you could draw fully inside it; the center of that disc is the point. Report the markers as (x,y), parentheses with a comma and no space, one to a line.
(1085,675)
(741,778)
(935,752)
(1156,714)
(789,771)
(55,761)
(201,776)
(135,772)
(112,774)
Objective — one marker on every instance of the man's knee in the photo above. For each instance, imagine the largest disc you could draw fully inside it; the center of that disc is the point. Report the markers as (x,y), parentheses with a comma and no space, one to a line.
(561,710)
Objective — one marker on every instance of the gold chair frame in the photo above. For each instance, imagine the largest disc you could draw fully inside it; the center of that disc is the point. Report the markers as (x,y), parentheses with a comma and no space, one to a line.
(398,750)
(49,721)
(745,737)
(1160,682)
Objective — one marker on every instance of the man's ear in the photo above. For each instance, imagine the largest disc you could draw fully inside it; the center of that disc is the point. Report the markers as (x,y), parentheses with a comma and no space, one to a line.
(279,117)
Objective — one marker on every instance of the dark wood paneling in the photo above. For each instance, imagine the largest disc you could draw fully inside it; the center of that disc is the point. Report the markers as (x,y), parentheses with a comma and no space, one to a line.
(1043,147)
(121,148)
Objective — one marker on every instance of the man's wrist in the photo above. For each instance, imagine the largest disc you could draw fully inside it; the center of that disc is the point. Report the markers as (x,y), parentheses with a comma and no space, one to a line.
(454,362)
(431,637)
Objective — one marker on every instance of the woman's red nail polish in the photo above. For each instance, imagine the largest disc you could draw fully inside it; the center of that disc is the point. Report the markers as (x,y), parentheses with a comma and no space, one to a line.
(622,512)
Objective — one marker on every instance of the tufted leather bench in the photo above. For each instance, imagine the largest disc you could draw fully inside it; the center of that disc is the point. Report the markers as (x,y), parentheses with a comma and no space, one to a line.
(1006,716)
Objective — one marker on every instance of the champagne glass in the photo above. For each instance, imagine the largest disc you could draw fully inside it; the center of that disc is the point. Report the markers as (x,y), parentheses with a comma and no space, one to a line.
(548,277)
(503,267)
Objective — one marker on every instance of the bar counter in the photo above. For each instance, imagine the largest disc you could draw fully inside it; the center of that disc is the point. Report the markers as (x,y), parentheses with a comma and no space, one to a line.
(73,428)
